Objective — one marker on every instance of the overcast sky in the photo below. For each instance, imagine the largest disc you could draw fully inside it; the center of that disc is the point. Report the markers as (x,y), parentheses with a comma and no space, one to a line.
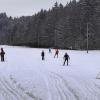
(26,7)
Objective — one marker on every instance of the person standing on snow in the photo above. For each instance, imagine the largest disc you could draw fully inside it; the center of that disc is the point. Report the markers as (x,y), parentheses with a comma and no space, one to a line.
(42,54)
(49,50)
(56,53)
(2,53)
(66,58)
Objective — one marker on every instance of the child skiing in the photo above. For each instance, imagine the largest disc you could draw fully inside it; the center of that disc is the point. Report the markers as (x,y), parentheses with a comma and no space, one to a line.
(56,53)
(2,53)
(42,54)
(49,50)
(66,58)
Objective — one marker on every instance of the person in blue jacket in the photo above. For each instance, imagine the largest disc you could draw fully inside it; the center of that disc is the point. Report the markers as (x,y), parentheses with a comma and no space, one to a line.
(66,58)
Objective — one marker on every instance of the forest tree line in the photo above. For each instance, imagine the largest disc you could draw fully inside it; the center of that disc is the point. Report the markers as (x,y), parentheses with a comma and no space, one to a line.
(59,27)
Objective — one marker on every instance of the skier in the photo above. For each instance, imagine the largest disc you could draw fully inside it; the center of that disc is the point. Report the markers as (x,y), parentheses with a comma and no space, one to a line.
(2,53)
(49,50)
(66,58)
(42,54)
(56,53)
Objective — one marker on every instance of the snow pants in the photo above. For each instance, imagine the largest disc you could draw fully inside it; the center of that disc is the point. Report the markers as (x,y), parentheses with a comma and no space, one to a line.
(2,58)
(65,62)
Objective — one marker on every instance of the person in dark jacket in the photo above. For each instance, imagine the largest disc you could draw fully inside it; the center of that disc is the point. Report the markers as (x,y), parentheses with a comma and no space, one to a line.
(2,53)
(66,58)
(42,54)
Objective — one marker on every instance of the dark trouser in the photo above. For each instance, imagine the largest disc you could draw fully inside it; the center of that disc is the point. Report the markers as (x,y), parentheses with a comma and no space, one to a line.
(42,57)
(65,62)
(2,58)
(56,55)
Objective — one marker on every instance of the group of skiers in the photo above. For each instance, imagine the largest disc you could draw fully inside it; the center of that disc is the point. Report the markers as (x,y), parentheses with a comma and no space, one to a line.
(66,56)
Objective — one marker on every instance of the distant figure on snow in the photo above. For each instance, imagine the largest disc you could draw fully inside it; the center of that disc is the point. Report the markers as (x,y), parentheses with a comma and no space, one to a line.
(42,54)
(2,53)
(49,50)
(66,58)
(56,53)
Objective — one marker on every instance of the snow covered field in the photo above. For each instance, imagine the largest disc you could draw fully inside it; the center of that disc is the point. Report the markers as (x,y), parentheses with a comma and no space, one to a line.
(24,76)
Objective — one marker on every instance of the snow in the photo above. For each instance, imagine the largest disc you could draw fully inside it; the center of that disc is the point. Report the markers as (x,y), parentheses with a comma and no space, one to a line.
(24,76)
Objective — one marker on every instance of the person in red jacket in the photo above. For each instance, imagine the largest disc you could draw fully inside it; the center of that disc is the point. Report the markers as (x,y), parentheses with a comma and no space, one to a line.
(2,53)
(56,53)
